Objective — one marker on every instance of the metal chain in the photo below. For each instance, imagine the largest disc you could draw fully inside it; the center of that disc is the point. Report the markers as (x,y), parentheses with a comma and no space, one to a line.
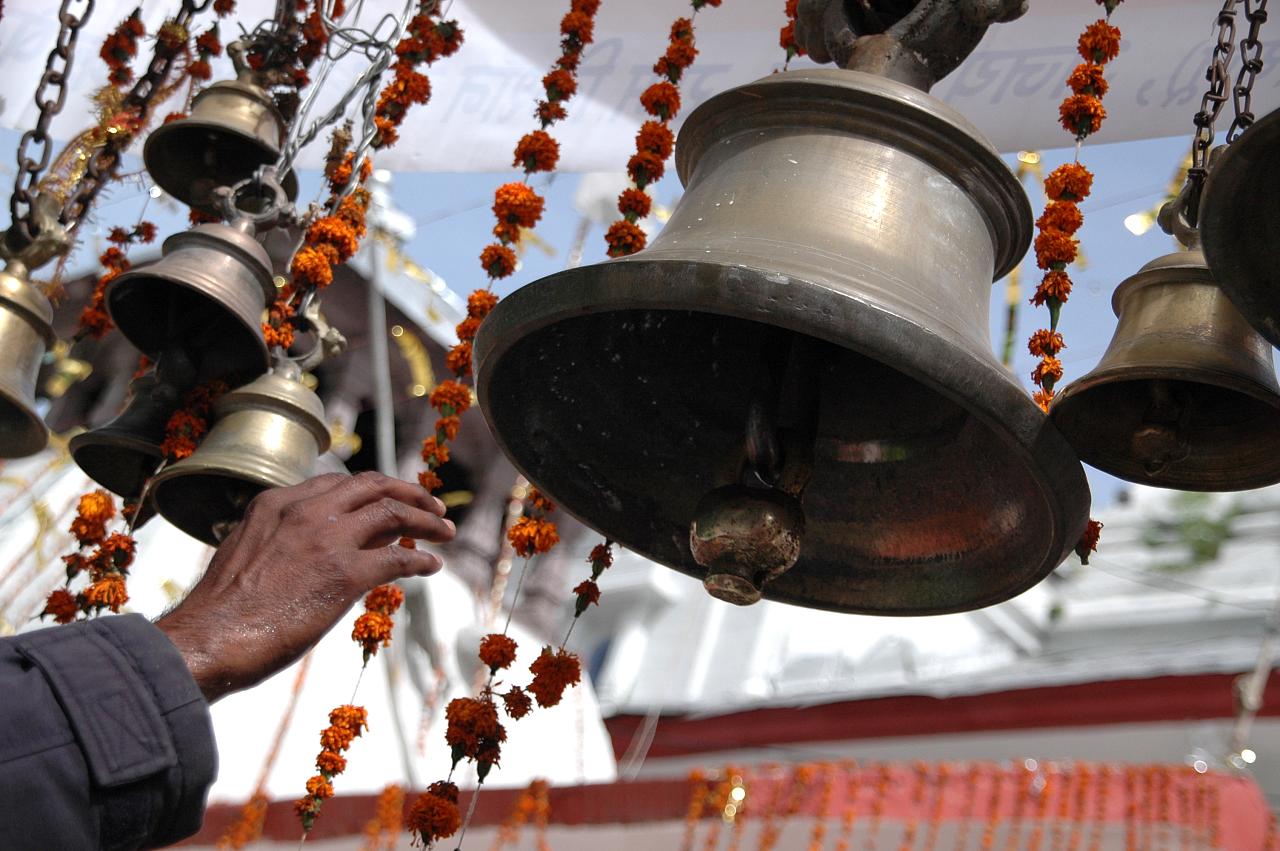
(1255,11)
(50,96)
(101,168)
(1216,95)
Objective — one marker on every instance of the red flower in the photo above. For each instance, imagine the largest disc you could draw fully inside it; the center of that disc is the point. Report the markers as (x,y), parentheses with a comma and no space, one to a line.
(560,85)
(451,394)
(435,814)
(588,593)
(530,536)
(517,204)
(517,703)
(1068,182)
(634,204)
(553,672)
(536,151)
(624,238)
(459,360)
(1089,541)
(661,99)
(656,138)
(497,651)
(480,303)
(645,168)
(61,606)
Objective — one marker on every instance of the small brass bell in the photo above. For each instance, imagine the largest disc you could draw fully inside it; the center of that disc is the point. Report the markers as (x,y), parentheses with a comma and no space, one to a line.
(1185,396)
(266,434)
(125,452)
(234,127)
(1239,223)
(206,295)
(26,332)
(840,232)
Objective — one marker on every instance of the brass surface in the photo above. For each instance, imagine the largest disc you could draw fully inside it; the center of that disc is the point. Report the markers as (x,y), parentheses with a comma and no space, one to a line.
(1185,396)
(234,127)
(266,434)
(125,452)
(866,220)
(26,332)
(205,296)
(1240,224)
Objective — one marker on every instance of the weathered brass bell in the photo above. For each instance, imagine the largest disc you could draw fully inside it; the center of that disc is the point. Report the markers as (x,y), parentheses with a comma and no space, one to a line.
(266,434)
(206,296)
(1239,221)
(125,452)
(832,212)
(1185,396)
(234,127)
(26,332)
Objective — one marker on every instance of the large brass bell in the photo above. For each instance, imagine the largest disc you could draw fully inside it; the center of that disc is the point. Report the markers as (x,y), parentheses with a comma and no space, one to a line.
(814,312)
(234,127)
(1185,396)
(125,452)
(1239,223)
(266,434)
(205,296)
(26,332)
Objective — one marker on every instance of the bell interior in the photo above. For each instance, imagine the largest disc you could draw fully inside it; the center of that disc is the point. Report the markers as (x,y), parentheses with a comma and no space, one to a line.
(205,505)
(915,505)
(120,468)
(194,158)
(1230,436)
(155,315)
(22,432)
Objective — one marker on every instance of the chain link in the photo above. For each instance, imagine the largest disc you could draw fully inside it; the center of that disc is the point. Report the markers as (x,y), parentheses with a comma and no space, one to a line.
(1255,11)
(1211,104)
(50,97)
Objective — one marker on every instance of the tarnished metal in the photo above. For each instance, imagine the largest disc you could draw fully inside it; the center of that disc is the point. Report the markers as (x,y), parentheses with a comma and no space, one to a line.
(233,129)
(1255,12)
(1185,396)
(266,434)
(865,220)
(205,296)
(1240,220)
(125,452)
(917,42)
(26,329)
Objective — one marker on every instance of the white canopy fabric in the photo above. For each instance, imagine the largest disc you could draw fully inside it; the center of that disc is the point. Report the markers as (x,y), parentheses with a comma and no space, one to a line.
(485,94)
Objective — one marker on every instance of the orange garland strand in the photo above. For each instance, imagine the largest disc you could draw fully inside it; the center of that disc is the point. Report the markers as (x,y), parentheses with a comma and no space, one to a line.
(107,567)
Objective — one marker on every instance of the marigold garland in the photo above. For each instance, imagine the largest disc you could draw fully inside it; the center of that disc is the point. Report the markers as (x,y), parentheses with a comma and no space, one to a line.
(435,814)
(373,628)
(94,321)
(106,567)
(384,828)
(787,35)
(345,725)
(188,424)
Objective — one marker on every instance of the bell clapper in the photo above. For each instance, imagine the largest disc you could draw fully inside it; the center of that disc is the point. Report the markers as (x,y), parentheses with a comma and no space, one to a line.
(1159,442)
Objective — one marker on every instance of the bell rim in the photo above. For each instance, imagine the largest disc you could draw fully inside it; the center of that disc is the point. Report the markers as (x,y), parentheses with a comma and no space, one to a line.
(205,467)
(122,442)
(1059,478)
(1229,179)
(1075,394)
(996,191)
(288,181)
(36,436)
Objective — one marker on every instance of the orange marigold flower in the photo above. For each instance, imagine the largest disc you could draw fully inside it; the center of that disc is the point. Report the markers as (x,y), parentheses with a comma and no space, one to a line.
(656,138)
(453,395)
(1054,249)
(459,359)
(310,268)
(661,99)
(435,452)
(1088,79)
(1068,182)
(1062,216)
(200,69)
(570,57)
(331,763)
(1045,342)
(588,593)
(1043,398)
(407,542)
(497,651)
(539,500)
(335,738)
(517,703)
(532,535)
(624,237)
(536,151)
(1055,285)
(470,723)
(586,7)
(349,717)
(93,512)
(330,230)
(578,27)
(480,303)
(787,39)
(467,328)
(645,167)
(560,85)
(553,672)
(61,606)
(517,204)
(1081,115)
(601,555)
(385,598)
(107,593)
(118,548)
(319,788)
(435,814)
(498,261)
(634,204)
(371,631)
(1089,540)
(448,426)
(1047,372)
(682,30)
(549,112)
(352,210)
(1100,42)
(429,480)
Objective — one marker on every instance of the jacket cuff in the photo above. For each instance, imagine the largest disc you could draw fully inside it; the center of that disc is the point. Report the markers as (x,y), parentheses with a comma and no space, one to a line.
(140,721)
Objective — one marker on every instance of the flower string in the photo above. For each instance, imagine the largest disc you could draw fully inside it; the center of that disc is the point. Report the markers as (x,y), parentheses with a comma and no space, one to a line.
(382,831)
(655,140)
(121,46)
(346,722)
(94,321)
(188,424)
(787,36)
(107,567)
(528,805)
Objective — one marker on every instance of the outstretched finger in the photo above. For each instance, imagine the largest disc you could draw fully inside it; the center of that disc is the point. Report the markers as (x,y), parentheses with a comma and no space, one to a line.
(358,491)
(387,520)
(387,564)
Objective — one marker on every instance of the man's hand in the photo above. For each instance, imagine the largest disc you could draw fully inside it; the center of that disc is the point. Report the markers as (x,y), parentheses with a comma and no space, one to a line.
(298,561)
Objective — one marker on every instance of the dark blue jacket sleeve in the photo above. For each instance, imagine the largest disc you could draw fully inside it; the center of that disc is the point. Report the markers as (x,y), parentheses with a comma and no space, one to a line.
(105,740)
